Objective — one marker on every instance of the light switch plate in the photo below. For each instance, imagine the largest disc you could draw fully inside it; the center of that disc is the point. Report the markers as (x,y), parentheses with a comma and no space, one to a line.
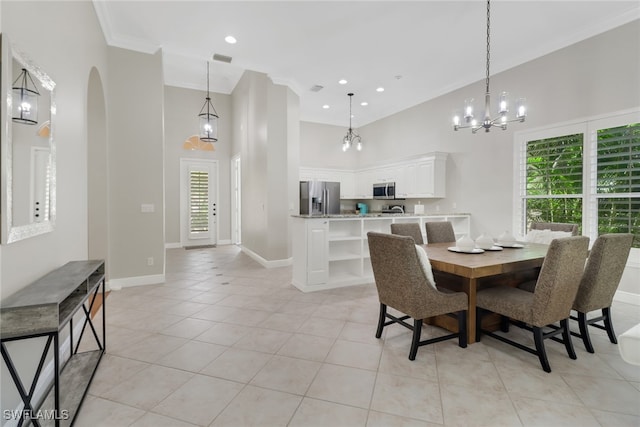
(147,208)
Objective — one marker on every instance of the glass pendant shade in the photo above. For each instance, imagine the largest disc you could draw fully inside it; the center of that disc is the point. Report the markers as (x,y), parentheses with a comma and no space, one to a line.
(25,100)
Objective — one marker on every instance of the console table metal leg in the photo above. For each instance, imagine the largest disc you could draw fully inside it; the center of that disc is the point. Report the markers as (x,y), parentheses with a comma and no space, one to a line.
(56,384)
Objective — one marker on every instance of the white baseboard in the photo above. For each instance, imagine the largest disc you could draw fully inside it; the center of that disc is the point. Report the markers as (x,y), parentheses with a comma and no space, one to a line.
(627,297)
(267,263)
(127,282)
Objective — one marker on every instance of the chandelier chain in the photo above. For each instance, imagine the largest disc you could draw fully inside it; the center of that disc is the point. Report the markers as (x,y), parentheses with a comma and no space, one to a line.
(207,79)
(488,42)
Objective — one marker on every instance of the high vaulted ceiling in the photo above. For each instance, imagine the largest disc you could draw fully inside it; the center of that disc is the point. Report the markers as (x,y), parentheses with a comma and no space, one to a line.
(416,50)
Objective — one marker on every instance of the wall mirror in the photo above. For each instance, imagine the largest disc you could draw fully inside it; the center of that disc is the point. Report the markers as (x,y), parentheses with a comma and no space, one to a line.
(28,155)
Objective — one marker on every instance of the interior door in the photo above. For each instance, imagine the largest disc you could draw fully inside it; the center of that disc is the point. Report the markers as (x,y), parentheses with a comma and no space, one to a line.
(198,213)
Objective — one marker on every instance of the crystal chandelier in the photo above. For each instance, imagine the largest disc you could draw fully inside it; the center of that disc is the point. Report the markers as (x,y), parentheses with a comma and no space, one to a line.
(503,105)
(208,118)
(351,137)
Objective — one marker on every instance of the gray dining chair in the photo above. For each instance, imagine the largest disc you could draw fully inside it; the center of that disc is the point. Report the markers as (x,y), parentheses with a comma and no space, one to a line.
(549,303)
(555,226)
(439,232)
(598,285)
(403,284)
(408,229)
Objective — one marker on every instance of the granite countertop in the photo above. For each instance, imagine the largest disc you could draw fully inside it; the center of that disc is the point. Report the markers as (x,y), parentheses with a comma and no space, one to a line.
(379,215)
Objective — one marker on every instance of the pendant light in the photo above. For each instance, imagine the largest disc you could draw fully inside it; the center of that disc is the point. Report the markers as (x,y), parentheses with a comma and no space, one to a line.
(351,137)
(503,107)
(208,118)
(25,99)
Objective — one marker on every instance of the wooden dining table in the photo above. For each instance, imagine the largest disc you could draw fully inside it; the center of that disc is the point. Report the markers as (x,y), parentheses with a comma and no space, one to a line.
(469,272)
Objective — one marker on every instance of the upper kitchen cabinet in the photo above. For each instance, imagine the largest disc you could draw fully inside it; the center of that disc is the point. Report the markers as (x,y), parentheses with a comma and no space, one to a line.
(423,178)
(418,178)
(347,179)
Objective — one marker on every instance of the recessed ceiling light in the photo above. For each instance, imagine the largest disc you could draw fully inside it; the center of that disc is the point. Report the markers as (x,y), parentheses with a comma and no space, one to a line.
(325,106)
(342,82)
(380,89)
(230,40)
(364,103)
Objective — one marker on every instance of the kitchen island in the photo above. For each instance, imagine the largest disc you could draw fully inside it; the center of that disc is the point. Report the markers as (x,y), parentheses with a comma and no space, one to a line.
(331,251)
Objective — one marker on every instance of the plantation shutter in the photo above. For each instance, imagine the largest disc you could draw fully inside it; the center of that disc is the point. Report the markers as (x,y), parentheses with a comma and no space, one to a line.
(618,180)
(553,189)
(198,203)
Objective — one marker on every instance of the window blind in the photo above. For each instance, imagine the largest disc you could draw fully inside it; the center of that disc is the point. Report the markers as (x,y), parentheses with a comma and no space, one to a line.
(618,180)
(198,201)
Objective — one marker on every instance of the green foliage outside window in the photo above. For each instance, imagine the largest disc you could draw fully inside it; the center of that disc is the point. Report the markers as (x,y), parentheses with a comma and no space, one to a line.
(554,168)
(618,174)
(554,182)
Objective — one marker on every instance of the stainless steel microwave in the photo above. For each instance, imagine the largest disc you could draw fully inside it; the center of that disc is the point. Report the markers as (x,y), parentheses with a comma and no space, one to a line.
(385,190)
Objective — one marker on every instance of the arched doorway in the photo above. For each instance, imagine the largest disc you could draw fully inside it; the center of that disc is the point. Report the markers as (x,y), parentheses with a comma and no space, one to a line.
(98,224)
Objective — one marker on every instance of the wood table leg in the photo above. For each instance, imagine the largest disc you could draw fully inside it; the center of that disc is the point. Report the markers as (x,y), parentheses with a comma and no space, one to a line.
(469,288)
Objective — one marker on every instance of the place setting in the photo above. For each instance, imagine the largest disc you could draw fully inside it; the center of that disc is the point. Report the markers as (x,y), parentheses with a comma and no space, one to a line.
(484,242)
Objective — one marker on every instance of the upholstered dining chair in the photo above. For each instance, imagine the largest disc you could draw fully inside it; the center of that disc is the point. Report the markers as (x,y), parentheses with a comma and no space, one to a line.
(599,283)
(548,304)
(404,280)
(409,229)
(439,232)
(555,226)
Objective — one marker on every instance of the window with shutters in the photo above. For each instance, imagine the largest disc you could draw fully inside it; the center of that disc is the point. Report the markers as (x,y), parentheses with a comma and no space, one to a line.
(617,180)
(554,179)
(586,173)
(198,202)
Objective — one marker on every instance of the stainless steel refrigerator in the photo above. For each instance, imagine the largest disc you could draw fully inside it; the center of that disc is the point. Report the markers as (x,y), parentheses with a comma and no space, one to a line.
(319,198)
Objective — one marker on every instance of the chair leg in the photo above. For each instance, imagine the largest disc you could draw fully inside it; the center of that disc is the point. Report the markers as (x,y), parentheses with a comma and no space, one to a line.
(415,342)
(566,337)
(462,328)
(608,324)
(504,323)
(478,323)
(584,331)
(542,354)
(381,319)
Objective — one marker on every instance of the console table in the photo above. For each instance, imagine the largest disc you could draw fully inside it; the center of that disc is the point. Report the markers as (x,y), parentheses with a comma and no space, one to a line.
(44,309)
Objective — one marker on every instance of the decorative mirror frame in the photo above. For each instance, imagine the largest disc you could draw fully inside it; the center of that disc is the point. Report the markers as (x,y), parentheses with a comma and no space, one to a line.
(10,232)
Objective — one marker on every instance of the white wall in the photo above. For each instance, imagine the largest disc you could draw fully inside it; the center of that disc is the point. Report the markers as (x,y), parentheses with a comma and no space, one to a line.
(135,114)
(321,147)
(263,130)
(49,33)
(181,121)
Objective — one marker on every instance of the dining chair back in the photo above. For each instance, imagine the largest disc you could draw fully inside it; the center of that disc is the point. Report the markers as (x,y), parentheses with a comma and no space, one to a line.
(439,232)
(402,283)
(550,302)
(408,229)
(602,274)
(555,226)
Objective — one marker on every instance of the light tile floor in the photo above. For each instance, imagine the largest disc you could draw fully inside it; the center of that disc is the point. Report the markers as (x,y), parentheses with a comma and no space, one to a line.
(226,342)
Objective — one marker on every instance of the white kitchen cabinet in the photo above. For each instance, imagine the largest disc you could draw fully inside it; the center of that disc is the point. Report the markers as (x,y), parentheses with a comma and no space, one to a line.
(364,184)
(429,178)
(345,178)
(347,181)
(417,178)
(334,252)
(311,243)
